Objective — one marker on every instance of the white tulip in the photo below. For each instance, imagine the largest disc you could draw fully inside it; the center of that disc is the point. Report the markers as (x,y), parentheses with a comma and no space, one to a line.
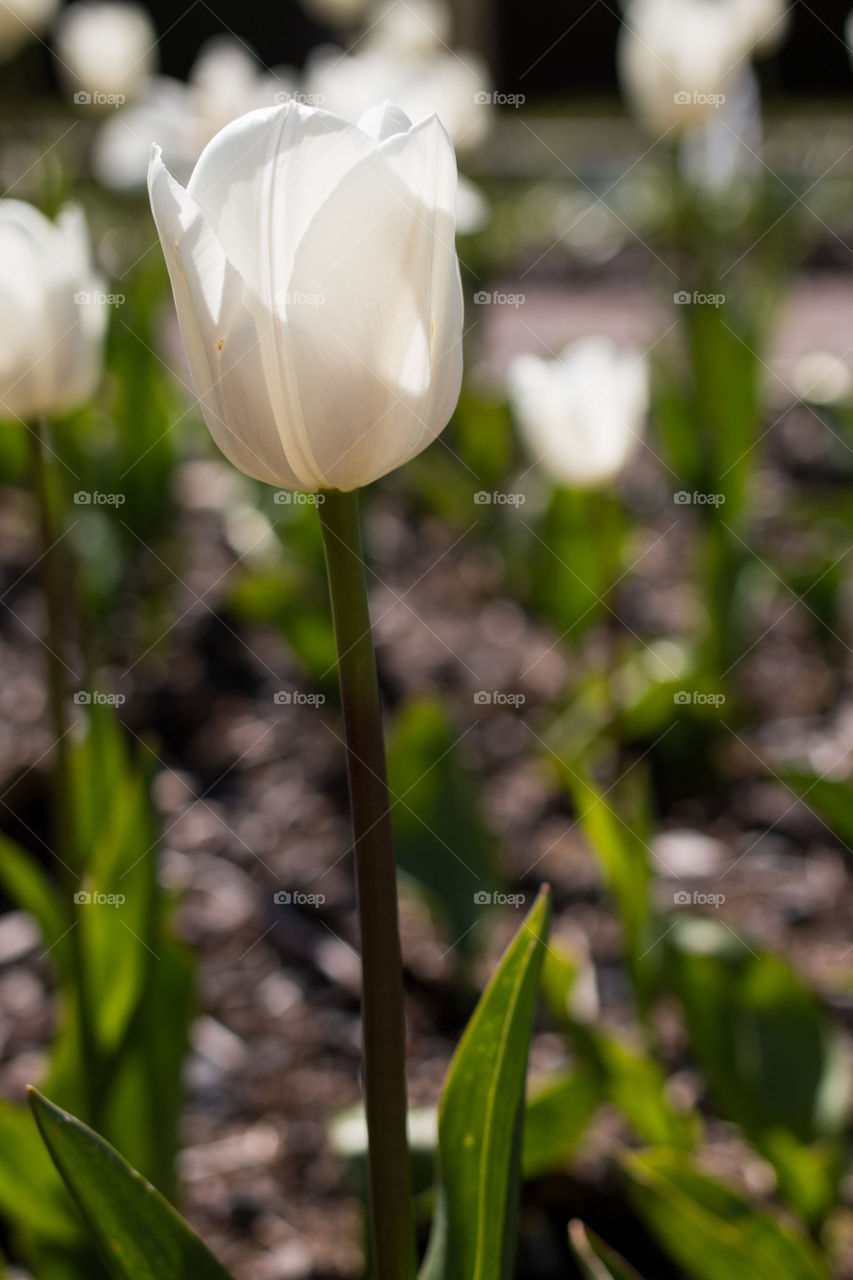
(52,312)
(582,414)
(318,291)
(226,81)
(679,58)
(766,22)
(452,86)
(22,21)
(106,49)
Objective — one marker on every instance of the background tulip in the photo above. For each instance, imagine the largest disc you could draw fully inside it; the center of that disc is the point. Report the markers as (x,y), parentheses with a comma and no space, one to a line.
(52,312)
(22,21)
(106,49)
(583,414)
(318,292)
(678,57)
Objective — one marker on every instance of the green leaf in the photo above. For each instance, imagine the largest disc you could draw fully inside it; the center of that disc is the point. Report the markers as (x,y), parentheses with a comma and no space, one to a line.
(29,888)
(139,1234)
(435,813)
(597,1260)
(711,1230)
(31,1193)
(480,1119)
(556,1117)
(774,1062)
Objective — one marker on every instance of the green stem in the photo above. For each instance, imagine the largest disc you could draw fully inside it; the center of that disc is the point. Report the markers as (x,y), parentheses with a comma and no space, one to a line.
(63,826)
(381,960)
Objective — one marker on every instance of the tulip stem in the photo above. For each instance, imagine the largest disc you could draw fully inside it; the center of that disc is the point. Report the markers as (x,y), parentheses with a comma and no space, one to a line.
(382,968)
(63,825)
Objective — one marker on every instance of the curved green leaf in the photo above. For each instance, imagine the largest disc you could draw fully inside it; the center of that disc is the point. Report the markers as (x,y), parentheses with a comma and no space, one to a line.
(596,1259)
(138,1233)
(480,1119)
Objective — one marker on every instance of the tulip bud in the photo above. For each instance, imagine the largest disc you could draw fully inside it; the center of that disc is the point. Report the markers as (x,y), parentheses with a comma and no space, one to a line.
(53,312)
(105,51)
(583,414)
(318,292)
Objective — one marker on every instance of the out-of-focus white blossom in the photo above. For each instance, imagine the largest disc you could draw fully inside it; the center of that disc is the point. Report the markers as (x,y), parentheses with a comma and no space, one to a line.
(583,414)
(678,59)
(53,312)
(822,378)
(410,28)
(765,23)
(22,21)
(455,87)
(226,81)
(105,50)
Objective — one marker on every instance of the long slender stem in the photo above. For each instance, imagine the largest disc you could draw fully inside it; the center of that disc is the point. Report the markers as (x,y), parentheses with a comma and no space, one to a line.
(63,793)
(382,995)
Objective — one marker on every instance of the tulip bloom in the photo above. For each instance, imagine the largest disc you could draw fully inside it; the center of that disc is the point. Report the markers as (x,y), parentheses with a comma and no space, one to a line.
(53,312)
(315,275)
(105,50)
(583,414)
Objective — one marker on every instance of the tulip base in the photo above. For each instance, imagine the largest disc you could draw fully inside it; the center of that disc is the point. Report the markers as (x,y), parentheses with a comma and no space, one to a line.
(382,972)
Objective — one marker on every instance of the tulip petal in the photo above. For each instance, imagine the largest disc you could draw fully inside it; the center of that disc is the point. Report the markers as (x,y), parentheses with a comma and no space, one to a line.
(381,253)
(384,121)
(220,333)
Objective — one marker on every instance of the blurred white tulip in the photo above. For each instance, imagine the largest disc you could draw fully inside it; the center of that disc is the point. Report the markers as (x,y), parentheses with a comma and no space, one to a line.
(453,86)
(337,13)
(225,82)
(409,28)
(473,211)
(678,59)
(53,312)
(22,21)
(766,22)
(318,291)
(583,414)
(105,51)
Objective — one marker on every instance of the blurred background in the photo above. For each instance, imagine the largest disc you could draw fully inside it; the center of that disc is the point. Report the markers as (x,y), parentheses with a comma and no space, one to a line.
(613,612)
